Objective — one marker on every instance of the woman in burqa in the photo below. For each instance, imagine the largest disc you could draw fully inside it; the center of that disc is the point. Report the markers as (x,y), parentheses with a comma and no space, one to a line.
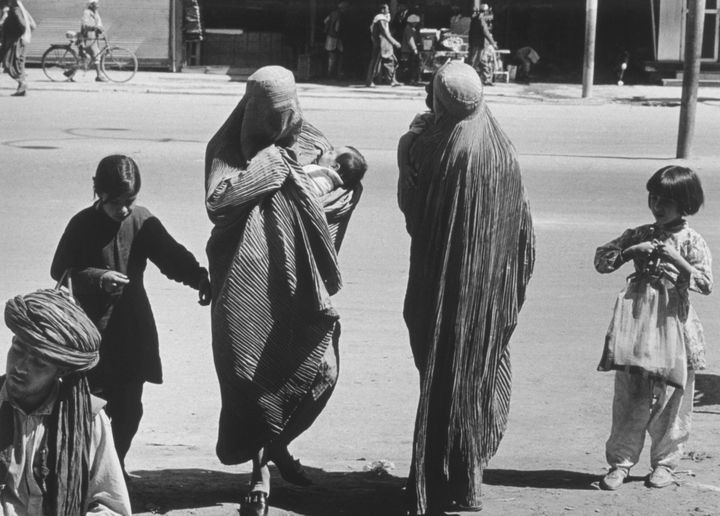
(471,256)
(273,267)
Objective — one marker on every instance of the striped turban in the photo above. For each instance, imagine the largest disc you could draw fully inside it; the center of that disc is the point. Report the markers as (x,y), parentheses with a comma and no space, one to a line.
(50,325)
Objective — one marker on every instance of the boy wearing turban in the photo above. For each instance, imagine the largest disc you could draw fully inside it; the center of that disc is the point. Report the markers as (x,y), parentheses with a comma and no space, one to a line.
(56,449)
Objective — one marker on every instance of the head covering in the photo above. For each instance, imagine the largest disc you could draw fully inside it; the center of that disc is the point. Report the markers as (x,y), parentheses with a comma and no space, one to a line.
(458,90)
(413,18)
(50,325)
(471,257)
(271,110)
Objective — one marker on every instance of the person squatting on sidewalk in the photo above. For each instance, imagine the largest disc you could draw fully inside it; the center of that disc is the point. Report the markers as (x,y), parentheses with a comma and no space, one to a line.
(655,340)
(104,251)
(56,448)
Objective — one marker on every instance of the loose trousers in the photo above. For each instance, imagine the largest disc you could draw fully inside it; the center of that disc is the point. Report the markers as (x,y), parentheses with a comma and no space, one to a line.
(642,405)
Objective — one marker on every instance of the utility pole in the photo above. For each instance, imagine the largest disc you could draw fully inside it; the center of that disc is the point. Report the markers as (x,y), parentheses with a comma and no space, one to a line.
(691,74)
(589,61)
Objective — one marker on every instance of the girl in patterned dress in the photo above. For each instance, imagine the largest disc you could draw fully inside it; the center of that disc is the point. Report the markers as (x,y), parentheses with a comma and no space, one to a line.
(655,340)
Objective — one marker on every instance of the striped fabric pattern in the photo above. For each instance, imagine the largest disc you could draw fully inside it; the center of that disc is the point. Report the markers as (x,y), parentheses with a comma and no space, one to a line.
(472,255)
(273,267)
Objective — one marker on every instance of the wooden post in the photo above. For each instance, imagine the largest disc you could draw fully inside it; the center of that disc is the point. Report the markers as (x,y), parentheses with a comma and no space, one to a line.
(589,60)
(691,74)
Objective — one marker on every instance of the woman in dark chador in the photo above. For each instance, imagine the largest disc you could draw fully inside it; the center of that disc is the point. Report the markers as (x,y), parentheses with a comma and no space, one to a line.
(471,257)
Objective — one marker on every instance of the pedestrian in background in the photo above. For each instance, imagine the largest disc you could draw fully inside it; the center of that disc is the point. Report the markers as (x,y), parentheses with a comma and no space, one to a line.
(481,45)
(471,257)
(655,340)
(91,28)
(409,49)
(382,58)
(104,251)
(57,449)
(334,40)
(17,26)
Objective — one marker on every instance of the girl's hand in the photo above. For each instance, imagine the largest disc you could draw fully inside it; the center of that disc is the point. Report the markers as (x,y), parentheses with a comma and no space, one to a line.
(643,249)
(113,282)
(204,291)
(668,253)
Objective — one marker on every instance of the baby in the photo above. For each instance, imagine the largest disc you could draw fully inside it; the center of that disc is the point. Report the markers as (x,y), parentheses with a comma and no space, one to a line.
(344,167)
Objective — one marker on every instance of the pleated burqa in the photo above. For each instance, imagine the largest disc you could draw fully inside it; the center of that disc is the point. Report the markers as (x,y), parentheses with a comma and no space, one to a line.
(273,267)
(472,254)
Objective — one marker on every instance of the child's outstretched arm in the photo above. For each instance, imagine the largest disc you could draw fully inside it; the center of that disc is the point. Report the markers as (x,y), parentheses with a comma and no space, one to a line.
(174,260)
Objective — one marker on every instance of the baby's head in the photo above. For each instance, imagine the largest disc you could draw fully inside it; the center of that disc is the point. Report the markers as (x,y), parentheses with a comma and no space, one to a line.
(349,163)
(680,186)
(117,183)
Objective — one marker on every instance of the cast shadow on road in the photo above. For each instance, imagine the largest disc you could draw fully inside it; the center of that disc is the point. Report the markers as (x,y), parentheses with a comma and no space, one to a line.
(541,479)
(348,494)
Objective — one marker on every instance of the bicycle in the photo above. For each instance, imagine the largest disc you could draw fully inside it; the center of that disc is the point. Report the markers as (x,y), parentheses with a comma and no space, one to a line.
(61,61)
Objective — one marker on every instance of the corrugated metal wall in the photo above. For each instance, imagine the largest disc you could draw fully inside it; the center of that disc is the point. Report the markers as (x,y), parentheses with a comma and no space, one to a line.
(142,26)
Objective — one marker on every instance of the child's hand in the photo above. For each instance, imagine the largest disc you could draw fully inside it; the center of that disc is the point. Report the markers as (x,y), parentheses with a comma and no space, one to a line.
(113,282)
(643,249)
(668,253)
(204,291)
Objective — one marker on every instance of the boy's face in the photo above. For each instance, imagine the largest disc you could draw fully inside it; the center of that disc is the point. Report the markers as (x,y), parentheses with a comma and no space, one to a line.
(29,377)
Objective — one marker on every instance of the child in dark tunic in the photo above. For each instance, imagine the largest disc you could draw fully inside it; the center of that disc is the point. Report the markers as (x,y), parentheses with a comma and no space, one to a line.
(104,253)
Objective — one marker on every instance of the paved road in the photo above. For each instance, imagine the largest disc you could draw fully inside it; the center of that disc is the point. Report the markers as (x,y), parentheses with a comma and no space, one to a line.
(585,166)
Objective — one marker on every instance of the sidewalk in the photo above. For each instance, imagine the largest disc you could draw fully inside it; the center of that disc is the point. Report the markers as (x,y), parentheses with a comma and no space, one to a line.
(194,83)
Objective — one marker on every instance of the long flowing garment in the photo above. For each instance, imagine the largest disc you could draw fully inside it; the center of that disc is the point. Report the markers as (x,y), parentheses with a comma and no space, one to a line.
(12,46)
(273,266)
(471,257)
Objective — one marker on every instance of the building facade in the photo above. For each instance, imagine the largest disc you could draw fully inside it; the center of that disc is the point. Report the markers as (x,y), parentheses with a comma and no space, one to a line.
(150,28)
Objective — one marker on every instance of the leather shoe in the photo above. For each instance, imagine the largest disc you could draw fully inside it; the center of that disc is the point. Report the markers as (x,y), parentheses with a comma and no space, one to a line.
(255,503)
(289,467)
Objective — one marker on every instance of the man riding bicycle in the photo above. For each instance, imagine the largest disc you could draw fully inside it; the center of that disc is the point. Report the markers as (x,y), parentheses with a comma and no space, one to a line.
(90,29)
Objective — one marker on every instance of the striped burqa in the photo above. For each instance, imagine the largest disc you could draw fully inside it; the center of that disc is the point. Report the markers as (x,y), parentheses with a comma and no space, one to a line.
(273,267)
(472,253)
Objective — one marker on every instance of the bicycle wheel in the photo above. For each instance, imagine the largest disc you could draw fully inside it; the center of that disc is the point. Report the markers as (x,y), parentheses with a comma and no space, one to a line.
(118,64)
(58,63)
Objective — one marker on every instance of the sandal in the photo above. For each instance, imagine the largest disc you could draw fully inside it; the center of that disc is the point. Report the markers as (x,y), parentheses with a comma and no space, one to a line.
(255,503)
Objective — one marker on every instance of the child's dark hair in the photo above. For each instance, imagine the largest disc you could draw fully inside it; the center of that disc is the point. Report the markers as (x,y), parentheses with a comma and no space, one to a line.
(117,175)
(352,166)
(681,184)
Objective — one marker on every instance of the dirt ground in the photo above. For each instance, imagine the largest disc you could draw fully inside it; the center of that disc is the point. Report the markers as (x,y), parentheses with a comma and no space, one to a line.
(585,167)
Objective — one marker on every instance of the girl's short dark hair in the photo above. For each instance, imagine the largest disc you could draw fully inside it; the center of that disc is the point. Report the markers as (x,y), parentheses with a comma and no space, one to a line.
(681,184)
(117,175)
(352,166)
